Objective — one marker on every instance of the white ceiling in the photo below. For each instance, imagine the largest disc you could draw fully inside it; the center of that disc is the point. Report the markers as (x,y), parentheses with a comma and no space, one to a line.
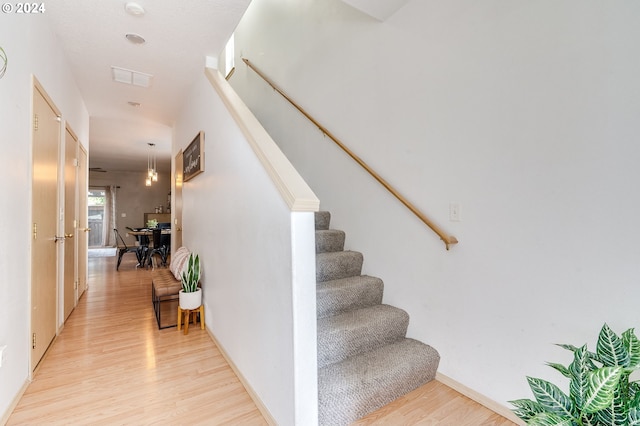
(179,35)
(379,9)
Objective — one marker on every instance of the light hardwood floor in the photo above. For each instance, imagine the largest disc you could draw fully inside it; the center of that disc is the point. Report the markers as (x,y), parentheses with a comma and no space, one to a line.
(111,365)
(434,404)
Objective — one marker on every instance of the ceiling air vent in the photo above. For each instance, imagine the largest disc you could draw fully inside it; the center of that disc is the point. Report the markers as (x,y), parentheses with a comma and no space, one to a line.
(136,78)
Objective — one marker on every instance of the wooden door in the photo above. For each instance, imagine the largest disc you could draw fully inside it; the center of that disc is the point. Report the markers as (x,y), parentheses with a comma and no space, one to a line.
(46,139)
(82,228)
(176,232)
(70,220)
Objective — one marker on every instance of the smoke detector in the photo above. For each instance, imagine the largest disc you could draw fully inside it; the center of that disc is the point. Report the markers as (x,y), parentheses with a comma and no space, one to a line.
(134,9)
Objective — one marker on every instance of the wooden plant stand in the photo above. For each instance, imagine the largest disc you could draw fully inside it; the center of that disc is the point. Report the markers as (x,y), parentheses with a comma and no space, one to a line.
(188,313)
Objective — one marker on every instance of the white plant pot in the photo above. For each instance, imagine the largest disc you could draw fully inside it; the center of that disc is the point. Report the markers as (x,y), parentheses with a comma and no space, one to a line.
(190,300)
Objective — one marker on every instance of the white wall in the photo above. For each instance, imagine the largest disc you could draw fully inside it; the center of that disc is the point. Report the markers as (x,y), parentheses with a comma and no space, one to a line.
(31,48)
(525,113)
(236,220)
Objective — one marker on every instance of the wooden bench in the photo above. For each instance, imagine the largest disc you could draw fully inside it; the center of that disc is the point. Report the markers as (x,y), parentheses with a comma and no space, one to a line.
(164,289)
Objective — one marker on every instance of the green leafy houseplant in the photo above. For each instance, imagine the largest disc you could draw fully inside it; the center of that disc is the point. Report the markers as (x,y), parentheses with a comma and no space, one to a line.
(191,276)
(600,389)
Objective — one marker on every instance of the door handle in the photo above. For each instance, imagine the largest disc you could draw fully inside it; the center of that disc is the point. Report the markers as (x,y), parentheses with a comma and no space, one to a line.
(87,229)
(68,235)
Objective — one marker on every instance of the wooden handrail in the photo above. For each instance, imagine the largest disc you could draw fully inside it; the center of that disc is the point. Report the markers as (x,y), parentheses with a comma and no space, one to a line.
(447,239)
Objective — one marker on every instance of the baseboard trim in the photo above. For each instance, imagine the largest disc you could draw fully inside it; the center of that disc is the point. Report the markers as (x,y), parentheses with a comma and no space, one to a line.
(479,398)
(14,403)
(254,396)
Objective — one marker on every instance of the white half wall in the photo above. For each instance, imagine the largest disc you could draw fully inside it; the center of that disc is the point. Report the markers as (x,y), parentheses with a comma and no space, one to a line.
(523,113)
(258,262)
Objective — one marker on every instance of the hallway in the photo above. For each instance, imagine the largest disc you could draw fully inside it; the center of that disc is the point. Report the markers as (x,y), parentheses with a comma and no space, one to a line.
(111,364)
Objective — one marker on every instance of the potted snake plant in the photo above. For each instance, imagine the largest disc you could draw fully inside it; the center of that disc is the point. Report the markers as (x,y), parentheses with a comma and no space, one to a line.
(601,389)
(190,296)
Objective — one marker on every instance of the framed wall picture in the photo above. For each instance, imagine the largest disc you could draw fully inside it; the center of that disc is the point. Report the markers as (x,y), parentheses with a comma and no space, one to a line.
(193,158)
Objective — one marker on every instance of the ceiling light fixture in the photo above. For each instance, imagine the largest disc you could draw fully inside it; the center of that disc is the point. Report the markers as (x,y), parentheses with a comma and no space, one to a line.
(135,38)
(134,9)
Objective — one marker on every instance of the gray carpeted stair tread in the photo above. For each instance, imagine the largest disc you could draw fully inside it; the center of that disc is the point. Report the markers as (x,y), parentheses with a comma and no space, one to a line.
(339,264)
(364,359)
(328,240)
(360,385)
(354,332)
(322,220)
(337,296)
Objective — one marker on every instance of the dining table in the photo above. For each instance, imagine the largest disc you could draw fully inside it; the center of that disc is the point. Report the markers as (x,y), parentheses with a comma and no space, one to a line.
(148,232)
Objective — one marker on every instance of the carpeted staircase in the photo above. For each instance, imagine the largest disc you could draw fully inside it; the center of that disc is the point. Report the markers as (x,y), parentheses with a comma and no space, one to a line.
(364,359)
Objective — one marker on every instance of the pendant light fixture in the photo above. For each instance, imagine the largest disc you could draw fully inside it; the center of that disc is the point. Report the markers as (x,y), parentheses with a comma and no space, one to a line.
(152,173)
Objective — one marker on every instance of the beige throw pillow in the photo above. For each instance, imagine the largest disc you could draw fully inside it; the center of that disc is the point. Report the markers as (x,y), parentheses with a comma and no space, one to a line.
(179,262)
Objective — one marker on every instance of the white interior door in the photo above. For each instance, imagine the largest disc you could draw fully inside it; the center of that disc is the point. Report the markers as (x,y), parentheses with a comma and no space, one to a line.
(70,220)
(83,230)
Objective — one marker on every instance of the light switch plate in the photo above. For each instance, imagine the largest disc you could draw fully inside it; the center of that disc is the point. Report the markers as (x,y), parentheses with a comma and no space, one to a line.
(454,212)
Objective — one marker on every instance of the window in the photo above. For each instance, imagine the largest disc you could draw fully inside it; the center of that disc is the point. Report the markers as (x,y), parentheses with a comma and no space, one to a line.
(96,202)
(229,57)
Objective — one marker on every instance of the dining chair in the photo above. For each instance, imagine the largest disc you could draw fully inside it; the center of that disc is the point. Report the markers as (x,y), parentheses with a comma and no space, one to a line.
(124,248)
(160,247)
